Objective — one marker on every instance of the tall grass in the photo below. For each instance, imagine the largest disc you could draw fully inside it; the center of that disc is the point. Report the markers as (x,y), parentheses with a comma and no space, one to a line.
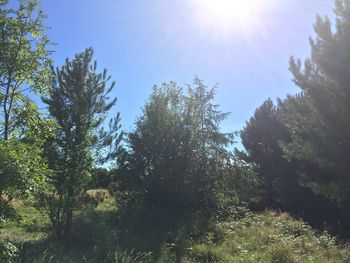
(268,237)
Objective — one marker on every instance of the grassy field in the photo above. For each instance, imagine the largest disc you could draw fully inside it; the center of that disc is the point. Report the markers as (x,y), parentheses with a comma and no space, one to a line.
(100,237)
(271,237)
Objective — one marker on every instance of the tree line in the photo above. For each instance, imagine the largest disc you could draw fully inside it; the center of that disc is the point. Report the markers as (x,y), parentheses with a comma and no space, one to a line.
(176,165)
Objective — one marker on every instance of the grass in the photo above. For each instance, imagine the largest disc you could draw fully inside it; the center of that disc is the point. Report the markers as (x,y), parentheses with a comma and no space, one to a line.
(269,237)
(33,226)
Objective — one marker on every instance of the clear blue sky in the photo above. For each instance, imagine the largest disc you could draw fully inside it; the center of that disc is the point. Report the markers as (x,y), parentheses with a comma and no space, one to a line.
(147,42)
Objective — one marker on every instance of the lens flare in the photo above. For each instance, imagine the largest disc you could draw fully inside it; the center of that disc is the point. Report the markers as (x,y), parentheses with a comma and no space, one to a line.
(230,16)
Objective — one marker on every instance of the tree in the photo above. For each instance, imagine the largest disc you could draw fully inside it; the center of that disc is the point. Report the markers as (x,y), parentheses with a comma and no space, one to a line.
(315,128)
(24,58)
(260,137)
(320,127)
(208,144)
(264,138)
(78,102)
(100,178)
(176,153)
(22,168)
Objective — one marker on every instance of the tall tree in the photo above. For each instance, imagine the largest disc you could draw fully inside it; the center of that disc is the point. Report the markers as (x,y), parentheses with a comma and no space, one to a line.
(264,138)
(261,137)
(208,143)
(24,58)
(177,152)
(321,134)
(79,103)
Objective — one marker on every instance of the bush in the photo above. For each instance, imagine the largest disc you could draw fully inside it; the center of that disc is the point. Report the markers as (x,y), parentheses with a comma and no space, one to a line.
(8,252)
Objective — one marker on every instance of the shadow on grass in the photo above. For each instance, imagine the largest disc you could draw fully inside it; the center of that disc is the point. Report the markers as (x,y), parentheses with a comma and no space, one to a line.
(160,231)
(92,241)
(100,236)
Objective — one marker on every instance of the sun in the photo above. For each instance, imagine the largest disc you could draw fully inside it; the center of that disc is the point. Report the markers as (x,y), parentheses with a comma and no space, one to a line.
(229,16)
(228,10)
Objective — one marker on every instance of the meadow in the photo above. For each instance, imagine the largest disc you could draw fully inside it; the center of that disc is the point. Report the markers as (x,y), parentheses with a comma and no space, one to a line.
(253,237)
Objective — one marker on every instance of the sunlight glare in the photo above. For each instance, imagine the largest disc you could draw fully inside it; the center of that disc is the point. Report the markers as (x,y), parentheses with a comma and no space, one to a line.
(230,16)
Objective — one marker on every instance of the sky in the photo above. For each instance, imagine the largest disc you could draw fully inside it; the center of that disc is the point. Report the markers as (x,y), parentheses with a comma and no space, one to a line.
(147,42)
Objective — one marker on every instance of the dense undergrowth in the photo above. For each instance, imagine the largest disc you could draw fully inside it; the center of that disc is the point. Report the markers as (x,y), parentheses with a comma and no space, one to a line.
(99,237)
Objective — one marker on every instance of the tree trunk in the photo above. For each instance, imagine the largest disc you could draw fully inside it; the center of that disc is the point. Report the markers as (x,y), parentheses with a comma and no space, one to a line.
(68,223)
(6,126)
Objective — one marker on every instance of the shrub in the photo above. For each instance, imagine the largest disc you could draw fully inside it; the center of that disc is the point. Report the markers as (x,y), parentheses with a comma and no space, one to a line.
(8,252)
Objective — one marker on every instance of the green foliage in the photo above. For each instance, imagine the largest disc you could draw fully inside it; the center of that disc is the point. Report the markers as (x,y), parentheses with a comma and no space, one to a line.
(281,255)
(245,237)
(78,103)
(300,147)
(268,237)
(178,190)
(8,252)
(101,178)
(318,118)
(265,137)
(24,59)
(177,162)
(18,162)
(261,138)
(238,186)
(132,256)
(22,169)
(206,255)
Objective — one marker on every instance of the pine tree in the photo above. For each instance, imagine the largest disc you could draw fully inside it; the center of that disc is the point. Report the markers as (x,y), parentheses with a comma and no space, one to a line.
(321,127)
(78,102)
(261,137)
